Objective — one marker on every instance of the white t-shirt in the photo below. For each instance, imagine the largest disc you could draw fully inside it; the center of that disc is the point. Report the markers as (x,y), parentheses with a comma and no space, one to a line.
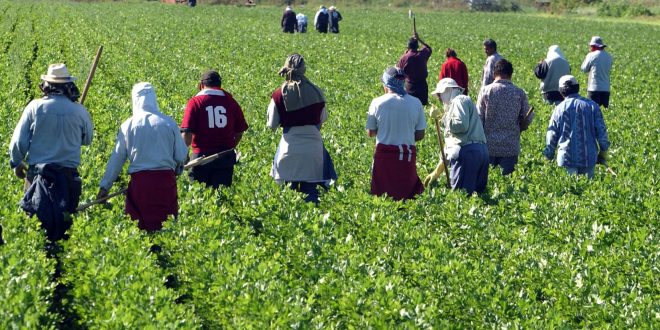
(396,118)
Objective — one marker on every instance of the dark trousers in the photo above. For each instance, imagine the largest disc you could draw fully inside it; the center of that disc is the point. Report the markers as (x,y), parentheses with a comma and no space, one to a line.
(601,98)
(216,173)
(553,97)
(470,170)
(508,164)
(308,188)
(419,90)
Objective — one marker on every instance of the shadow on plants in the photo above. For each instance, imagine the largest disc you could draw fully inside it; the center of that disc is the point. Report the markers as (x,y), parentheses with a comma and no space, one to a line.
(68,319)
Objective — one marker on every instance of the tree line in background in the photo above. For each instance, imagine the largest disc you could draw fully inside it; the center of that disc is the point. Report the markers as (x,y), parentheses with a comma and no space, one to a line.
(609,8)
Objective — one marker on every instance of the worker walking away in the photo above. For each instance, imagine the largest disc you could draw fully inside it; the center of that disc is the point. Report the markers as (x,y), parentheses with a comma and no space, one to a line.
(334,17)
(503,109)
(465,141)
(549,70)
(577,131)
(289,21)
(45,151)
(213,122)
(455,69)
(298,106)
(413,63)
(152,143)
(321,20)
(397,121)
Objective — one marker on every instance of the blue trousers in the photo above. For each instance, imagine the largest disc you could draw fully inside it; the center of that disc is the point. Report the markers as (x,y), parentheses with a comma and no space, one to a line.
(508,164)
(470,170)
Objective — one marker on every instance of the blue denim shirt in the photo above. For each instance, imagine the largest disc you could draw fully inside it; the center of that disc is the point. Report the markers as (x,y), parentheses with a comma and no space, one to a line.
(577,129)
(51,131)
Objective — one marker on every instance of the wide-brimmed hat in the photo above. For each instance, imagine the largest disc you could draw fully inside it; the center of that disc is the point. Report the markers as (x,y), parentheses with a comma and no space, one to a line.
(443,84)
(332,8)
(57,73)
(567,81)
(597,41)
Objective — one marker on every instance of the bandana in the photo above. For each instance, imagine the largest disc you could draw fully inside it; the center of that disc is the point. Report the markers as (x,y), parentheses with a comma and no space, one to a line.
(297,91)
(393,78)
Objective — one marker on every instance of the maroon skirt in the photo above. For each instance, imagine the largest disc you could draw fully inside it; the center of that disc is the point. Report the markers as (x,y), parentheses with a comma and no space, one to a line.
(395,172)
(151,197)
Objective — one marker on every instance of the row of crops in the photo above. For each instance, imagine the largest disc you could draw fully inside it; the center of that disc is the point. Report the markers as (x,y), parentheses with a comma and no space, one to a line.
(539,249)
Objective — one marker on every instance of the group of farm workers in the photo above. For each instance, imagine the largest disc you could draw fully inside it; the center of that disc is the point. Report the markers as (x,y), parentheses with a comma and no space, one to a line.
(45,147)
(326,19)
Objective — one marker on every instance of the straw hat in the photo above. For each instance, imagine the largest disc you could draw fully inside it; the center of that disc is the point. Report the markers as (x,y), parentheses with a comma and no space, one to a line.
(58,74)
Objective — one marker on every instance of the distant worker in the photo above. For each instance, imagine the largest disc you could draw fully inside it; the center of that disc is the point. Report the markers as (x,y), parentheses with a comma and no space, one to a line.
(413,63)
(455,69)
(289,21)
(298,106)
(578,130)
(465,141)
(397,121)
(213,122)
(335,17)
(321,20)
(549,70)
(598,63)
(154,148)
(44,151)
(503,109)
(492,56)
(302,23)
(192,3)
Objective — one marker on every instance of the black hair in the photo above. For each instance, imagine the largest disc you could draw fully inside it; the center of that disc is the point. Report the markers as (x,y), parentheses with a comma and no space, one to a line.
(413,44)
(490,43)
(211,79)
(450,53)
(569,89)
(503,68)
(68,89)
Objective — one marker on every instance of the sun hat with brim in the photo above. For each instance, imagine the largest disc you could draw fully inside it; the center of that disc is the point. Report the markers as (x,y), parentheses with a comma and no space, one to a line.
(57,73)
(567,80)
(597,41)
(443,84)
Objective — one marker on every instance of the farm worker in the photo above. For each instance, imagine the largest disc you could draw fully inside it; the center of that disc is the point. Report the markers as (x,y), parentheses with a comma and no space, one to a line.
(503,111)
(49,137)
(598,63)
(397,120)
(289,20)
(302,23)
(192,3)
(298,106)
(549,70)
(321,20)
(455,69)
(413,63)
(492,56)
(154,148)
(213,122)
(335,17)
(577,127)
(465,141)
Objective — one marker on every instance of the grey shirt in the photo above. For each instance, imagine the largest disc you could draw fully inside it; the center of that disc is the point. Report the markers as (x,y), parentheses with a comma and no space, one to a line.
(487,76)
(557,67)
(598,64)
(51,130)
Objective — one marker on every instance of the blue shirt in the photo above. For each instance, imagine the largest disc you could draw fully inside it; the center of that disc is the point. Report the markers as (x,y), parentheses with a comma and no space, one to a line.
(51,131)
(577,129)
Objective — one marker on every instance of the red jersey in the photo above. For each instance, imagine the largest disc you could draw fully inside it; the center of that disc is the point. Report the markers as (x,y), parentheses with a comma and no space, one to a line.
(214,118)
(455,69)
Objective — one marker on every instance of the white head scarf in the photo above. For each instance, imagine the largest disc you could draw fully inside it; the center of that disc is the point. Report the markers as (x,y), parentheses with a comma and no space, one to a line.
(553,53)
(144,98)
(450,94)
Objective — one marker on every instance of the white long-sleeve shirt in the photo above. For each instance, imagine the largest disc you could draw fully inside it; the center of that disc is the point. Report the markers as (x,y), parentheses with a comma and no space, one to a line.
(149,139)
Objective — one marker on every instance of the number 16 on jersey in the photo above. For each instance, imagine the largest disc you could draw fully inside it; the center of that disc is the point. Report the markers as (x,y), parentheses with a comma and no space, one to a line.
(217,116)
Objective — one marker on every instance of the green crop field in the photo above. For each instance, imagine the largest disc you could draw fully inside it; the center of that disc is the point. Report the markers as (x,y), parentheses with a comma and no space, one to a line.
(538,250)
